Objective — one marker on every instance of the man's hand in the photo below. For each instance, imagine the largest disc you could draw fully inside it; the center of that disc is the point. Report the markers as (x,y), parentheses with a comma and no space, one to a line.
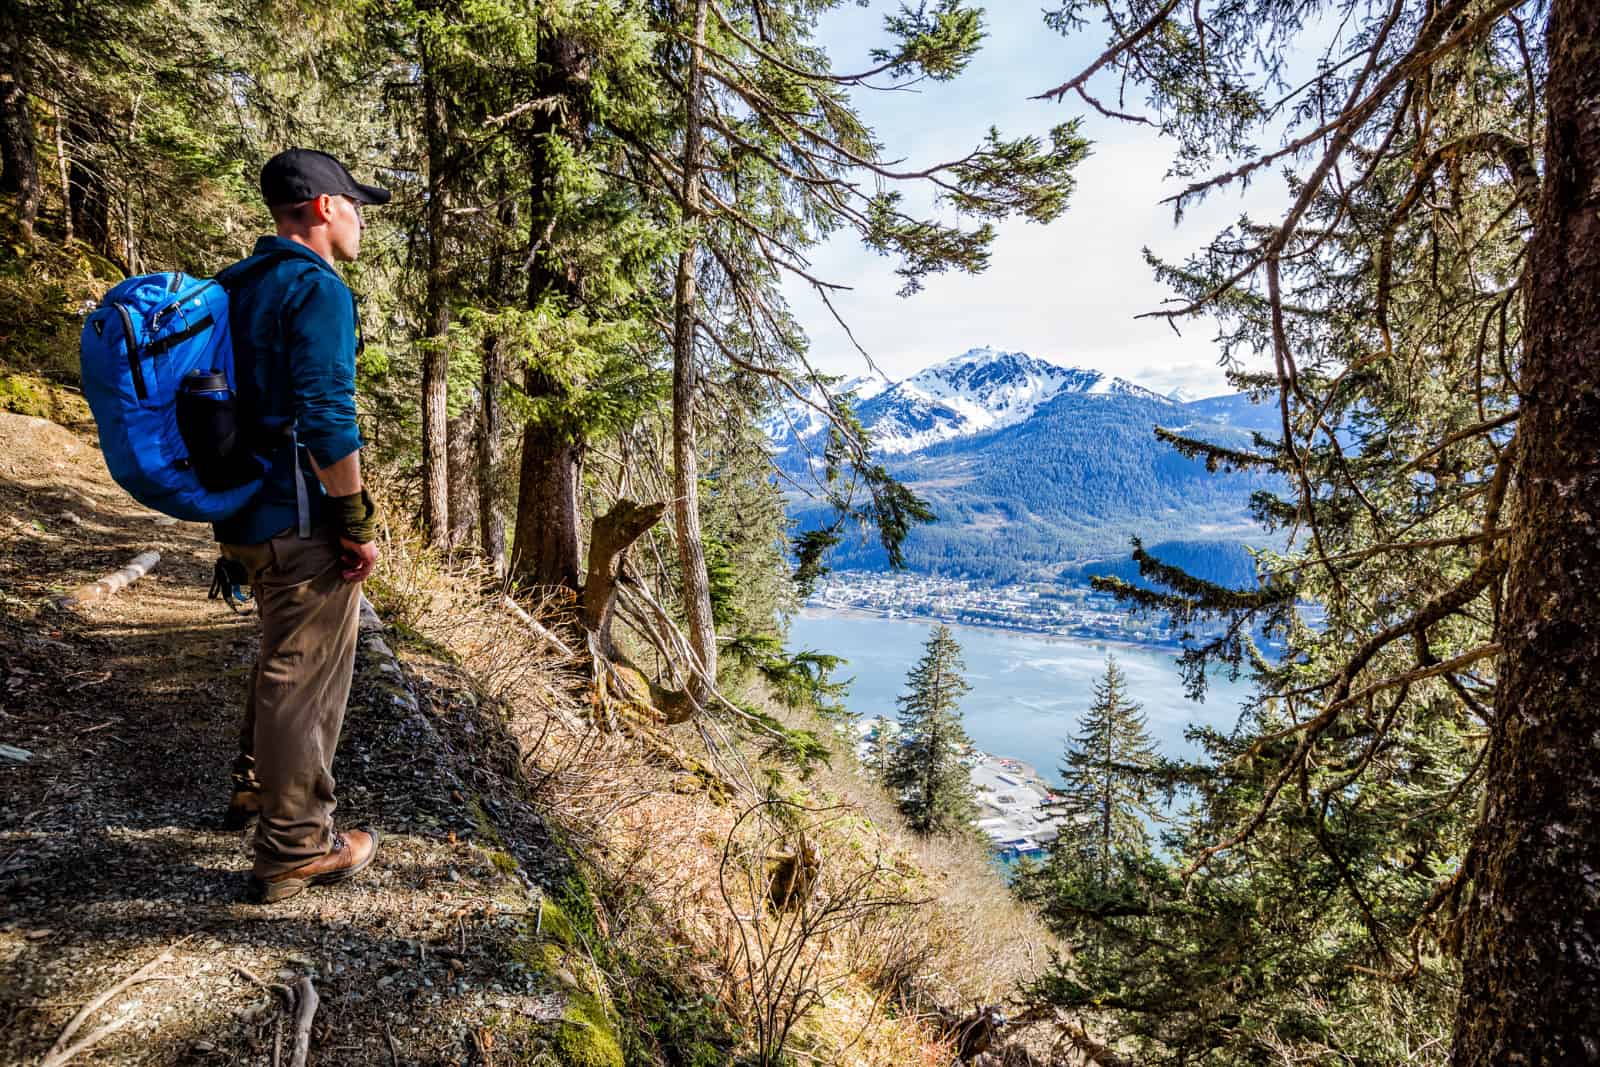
(362,558)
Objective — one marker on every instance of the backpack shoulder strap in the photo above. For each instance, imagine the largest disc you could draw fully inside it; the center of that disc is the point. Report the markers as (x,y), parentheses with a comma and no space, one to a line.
(228,279)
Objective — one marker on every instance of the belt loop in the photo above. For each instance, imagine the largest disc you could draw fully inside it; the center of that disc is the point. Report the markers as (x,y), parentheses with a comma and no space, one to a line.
(302,503)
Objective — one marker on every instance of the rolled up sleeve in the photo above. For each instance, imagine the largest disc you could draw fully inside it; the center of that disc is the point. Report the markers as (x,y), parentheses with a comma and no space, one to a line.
(320,335)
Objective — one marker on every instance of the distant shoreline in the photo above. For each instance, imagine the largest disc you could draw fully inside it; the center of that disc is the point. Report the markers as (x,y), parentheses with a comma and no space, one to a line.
(819,612)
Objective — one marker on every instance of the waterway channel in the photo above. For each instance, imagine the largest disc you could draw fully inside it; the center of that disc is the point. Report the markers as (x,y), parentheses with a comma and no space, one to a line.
(1028,690)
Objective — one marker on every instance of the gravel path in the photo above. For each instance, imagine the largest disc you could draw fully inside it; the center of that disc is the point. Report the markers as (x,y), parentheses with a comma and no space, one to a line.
(110,843)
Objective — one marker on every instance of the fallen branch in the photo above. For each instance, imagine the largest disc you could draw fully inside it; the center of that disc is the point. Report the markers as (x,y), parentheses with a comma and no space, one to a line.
(539,630)
(1095,1052)
(113,583)
(394,1050)
(306,1001)
(61,1052)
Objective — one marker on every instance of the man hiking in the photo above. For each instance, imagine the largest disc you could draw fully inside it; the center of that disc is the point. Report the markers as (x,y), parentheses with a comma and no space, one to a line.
(307,540)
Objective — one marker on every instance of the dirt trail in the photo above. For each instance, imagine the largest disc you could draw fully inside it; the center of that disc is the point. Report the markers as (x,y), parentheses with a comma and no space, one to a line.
(110,846)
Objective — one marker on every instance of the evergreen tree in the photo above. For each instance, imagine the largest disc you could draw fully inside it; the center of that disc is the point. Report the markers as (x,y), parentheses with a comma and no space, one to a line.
(1106,792)
(1090,886)
(879,756)
(1414,762)
(768,157)
(928,769)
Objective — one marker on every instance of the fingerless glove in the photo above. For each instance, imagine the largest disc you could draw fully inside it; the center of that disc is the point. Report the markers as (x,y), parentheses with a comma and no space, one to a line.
(355,516)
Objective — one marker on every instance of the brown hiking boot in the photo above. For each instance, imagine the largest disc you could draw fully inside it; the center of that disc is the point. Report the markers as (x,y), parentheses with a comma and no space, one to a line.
(352,851)
(244,804)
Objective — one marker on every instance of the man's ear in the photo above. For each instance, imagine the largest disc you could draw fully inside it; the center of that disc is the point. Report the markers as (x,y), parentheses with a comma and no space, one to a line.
(322,208)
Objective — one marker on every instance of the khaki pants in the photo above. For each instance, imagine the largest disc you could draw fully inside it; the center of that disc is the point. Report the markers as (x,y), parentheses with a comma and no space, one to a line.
(297,696)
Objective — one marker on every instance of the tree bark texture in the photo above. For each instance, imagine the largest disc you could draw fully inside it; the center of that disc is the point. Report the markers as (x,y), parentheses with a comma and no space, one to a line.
(19,154)
(546,549)
(491,523)
(66,180)
(435,357)
(491,420)
(462,434)
(613,533)
(463,483)
(1531,954)
(701,627)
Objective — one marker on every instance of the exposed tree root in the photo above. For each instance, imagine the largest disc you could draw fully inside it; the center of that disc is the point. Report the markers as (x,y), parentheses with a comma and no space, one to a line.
(306,1001)
(63,1050)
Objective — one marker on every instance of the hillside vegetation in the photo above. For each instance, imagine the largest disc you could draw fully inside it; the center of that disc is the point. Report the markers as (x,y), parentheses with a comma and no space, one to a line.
(625,829)
(550,891)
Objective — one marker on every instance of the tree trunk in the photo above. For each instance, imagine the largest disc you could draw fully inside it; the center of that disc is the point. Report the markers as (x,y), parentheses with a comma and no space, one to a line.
(89,199)
(130,227)
(613,533)
(19,155)
(1531,956)
(546,550)
(701,627)
(462,432)
(435,357)
(491,523)
(66,181)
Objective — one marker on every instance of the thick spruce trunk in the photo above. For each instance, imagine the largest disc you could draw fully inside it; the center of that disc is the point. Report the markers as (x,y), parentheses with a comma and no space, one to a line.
(1531,965)
(435,357)
(701,627)
(545,549)
(19,154)
(462,432)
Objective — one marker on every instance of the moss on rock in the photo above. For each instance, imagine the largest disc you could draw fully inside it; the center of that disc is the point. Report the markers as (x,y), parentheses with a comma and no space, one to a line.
(586,1037)
(23,394)
(553,922)
(29,394)
(587,1034)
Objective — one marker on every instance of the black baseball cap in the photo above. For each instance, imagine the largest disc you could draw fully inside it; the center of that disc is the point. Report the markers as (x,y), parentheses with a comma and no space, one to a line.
(300,174)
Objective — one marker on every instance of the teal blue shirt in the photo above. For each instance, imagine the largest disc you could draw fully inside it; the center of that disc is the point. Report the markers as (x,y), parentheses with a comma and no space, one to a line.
(294,331)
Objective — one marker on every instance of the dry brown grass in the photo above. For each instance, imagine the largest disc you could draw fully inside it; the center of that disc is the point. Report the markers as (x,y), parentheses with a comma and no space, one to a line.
(678,873)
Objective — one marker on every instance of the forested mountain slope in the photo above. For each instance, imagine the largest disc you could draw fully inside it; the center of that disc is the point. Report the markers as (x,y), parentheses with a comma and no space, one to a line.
(1032,470)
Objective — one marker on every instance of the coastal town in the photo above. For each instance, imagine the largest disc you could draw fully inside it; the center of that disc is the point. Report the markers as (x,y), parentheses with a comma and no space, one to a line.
(1013,798)
(1033,607)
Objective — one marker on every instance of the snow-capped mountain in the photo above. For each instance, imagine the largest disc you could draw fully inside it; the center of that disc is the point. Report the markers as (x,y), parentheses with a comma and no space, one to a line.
(979,391)
(803,420)
(1030,466)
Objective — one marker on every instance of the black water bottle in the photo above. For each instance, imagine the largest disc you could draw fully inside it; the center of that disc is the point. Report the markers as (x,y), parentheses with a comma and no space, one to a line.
(208,421)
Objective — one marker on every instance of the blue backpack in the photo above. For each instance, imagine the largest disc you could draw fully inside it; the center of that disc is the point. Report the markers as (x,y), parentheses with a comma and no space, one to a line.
(157,367)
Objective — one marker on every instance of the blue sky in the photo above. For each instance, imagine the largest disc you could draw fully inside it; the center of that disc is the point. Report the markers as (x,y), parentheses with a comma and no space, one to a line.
(1068,292)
